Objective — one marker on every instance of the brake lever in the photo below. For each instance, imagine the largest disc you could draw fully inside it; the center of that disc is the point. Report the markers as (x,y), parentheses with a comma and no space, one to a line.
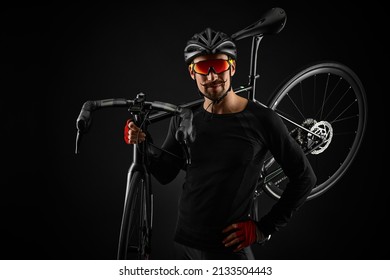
(187,152)
(185,134)
(180,137)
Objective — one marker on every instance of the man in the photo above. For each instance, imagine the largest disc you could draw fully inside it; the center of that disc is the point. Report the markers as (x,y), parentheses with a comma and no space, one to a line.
(233,136)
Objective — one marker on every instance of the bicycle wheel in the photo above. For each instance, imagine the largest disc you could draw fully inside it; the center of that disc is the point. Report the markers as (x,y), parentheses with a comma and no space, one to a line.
(136,229)
(328,100)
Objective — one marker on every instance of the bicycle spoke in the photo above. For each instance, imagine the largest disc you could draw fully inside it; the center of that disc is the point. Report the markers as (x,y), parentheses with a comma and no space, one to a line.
(343,101)
(295,105)
(314,92)
(325,92)
(344,133)
(326,100)
(301,92)
(337,103)
(335,119)
(344,119)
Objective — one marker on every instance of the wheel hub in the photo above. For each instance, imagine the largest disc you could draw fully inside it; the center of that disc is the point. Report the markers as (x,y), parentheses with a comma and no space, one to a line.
(323,129)
(309,141)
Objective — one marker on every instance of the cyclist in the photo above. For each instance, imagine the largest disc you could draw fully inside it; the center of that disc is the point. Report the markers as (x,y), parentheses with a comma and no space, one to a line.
(233,135)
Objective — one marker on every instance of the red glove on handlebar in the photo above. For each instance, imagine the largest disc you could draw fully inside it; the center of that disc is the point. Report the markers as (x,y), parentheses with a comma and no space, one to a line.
(126,132)
(136,134)
(242,234)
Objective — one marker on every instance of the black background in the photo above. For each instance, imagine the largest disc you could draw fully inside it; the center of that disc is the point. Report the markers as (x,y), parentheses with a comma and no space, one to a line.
(56,205)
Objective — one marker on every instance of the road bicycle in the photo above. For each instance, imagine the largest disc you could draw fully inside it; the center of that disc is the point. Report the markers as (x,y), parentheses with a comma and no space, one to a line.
(323,105)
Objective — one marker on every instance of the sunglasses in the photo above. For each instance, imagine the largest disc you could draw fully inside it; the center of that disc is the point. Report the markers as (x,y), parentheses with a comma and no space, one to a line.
(218,65)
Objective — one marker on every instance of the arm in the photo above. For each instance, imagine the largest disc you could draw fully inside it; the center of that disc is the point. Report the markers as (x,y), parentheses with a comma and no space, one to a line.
(296,167)
(301,180)
(165,163)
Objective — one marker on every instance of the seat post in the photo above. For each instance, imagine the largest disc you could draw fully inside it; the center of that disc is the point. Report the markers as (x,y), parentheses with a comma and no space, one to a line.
(253,67)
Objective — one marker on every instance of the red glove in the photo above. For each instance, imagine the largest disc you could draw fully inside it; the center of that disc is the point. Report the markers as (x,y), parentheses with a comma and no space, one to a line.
(132,133)
(126,134)
(243,234)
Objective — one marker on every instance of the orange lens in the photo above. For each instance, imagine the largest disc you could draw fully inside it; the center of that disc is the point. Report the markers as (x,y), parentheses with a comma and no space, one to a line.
(218,66)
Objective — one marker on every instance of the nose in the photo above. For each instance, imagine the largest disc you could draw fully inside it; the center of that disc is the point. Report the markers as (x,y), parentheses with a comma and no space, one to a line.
(211,76)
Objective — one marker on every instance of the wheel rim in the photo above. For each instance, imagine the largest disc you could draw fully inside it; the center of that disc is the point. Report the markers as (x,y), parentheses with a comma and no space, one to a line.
(332,95)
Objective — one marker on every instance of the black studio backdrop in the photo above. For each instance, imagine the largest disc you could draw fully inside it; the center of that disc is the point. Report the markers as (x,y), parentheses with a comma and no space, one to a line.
(56,205)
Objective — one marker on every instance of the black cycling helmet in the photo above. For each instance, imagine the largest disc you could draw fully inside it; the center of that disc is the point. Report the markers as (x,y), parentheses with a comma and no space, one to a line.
(209,42)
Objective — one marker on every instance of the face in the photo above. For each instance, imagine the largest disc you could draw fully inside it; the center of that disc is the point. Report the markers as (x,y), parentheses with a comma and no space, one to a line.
(213,84)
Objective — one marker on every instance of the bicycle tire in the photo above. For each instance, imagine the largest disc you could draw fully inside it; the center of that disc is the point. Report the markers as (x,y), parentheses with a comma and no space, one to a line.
(136,229)
(342,107)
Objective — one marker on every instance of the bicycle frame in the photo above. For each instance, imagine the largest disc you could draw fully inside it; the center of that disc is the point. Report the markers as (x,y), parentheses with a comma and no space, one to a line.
(138,169)
(138,164)
(250,89)
(140,110)
(271,23)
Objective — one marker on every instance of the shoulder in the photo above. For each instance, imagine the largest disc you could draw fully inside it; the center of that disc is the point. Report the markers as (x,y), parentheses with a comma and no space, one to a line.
(267,120)
(262,113)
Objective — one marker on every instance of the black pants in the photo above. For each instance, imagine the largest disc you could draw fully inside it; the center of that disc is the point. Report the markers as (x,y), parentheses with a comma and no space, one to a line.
(183,252)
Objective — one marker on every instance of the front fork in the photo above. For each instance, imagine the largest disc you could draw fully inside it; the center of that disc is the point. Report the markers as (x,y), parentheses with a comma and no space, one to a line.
(146,209)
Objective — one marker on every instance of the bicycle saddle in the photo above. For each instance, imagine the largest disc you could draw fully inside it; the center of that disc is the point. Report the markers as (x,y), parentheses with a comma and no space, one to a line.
(272,22)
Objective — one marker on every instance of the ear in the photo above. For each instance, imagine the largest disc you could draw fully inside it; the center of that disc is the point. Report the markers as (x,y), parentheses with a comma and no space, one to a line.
(192,73)
(233,67)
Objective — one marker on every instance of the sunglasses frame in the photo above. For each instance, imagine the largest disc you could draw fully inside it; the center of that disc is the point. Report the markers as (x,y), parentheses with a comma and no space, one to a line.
(229,61)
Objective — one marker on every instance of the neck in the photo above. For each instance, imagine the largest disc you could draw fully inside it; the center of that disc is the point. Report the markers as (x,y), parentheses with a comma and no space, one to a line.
(232,103)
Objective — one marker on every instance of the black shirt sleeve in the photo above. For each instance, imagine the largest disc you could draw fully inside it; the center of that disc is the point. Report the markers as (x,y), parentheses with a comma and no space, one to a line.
(166,162)
(296,167)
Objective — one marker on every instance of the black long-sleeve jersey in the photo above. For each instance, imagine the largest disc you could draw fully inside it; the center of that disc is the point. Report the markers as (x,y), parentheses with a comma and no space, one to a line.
(227,156)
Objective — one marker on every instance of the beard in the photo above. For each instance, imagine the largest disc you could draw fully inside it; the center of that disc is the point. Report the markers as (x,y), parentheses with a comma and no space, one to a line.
(215,89)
